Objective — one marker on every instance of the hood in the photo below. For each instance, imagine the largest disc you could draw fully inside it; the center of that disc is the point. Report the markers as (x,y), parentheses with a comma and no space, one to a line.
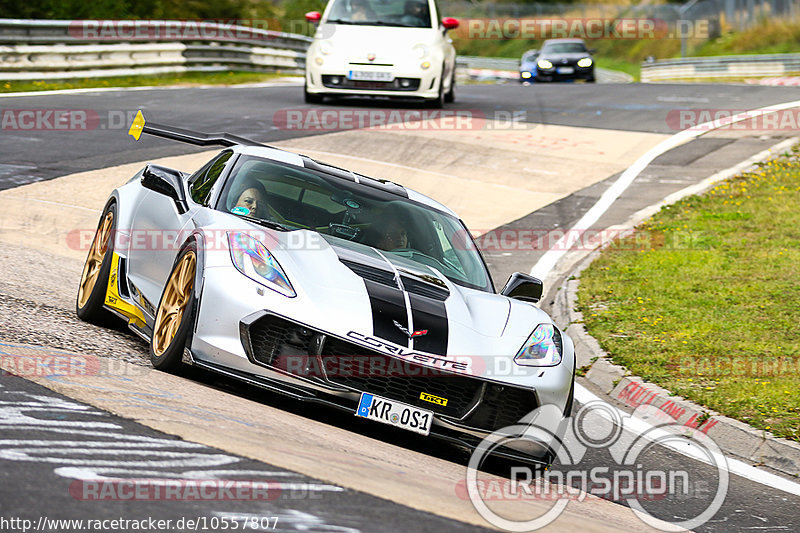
(572,56)
(353,287)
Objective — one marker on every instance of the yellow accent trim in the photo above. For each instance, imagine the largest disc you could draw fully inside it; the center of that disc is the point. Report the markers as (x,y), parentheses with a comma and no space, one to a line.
(113,299)
(425,397)
(138,124)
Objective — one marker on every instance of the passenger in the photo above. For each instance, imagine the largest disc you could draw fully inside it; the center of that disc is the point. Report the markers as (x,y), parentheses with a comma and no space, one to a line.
(415,13)
(361,10)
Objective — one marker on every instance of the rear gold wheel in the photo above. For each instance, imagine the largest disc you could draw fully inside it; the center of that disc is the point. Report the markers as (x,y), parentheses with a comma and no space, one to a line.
(173,318)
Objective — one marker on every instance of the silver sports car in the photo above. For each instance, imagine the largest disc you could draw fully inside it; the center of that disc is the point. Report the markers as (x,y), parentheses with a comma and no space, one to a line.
(327,286)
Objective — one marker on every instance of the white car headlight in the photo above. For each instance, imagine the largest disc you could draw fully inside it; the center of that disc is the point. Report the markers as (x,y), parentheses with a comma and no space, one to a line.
(544,64)
(420,50)
(326,48)
(252,259)
(543,347)
(585,62)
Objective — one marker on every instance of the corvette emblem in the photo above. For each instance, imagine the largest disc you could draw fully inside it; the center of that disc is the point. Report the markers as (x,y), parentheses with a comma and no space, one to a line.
(371,57)
(410,334)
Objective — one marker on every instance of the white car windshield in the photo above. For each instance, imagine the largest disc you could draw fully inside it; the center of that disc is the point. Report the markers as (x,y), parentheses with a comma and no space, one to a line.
(403,13)
(290,198)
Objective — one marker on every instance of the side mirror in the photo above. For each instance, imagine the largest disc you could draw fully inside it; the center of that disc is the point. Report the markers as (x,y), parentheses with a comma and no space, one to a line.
(523,287)
(592,51)
(313,16)
(168,182)
(449,23)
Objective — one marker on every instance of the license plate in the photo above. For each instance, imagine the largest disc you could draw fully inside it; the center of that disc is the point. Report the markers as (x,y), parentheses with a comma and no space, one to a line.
(368,75)
(565,70)
(395,413)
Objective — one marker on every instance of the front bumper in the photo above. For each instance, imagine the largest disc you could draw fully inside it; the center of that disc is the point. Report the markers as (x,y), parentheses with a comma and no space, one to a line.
(407,82)
(579,73)
(239,338)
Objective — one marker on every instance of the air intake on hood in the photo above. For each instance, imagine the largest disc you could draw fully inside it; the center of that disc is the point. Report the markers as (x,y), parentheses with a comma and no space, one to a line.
(422,288)
(378,275)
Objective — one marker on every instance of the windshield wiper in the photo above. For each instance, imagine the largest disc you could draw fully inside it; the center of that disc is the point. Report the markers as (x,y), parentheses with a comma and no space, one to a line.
(264,222)
(370,23)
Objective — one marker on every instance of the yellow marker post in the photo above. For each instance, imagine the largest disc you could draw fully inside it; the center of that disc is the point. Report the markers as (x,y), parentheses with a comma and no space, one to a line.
(138,125)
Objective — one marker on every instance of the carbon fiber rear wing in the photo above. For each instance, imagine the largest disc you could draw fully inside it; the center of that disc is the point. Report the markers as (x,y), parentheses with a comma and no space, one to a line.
(140,126)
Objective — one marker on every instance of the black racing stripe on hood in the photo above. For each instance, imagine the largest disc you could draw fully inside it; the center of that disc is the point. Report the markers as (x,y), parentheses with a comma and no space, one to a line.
(430,314)
(388,306)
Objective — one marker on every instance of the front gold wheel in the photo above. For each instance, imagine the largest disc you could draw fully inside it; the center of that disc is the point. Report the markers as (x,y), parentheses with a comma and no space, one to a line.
(94,261)
(174,301)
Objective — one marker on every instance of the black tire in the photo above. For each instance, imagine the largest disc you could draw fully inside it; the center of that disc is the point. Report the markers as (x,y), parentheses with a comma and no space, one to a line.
(92,309)
(450,96)
(311,98)
(590,80)
(169,356)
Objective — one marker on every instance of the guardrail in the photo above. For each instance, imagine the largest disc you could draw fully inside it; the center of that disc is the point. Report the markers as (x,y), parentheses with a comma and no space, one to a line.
(58,49)
(720,67)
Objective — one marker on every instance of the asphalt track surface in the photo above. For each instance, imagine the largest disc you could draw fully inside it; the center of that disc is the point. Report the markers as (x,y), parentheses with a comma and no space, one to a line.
(248,111)
(40,155)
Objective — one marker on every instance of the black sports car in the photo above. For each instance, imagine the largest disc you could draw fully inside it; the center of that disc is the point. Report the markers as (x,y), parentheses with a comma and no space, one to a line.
(564,59)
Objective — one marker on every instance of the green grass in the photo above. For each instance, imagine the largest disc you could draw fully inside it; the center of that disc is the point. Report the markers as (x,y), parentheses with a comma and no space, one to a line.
(704,299)
(188,78)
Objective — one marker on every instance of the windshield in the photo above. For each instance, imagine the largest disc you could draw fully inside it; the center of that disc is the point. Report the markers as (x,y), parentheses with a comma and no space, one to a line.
(410,13)
(564,48)
(285,197)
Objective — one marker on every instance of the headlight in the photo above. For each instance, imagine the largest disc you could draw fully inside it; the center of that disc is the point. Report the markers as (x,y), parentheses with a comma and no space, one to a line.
(543,347)
(585,62)
(252,259)
(325,48)
(420,50)
(525,75)
(544,64)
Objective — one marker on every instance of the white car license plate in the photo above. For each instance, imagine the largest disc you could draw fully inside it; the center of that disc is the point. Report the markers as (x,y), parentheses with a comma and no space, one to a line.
(368,75)
(565,70)
(395,413)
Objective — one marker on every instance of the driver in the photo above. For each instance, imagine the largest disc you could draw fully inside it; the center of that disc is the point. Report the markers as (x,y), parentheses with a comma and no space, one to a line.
(394,237)
(252,196)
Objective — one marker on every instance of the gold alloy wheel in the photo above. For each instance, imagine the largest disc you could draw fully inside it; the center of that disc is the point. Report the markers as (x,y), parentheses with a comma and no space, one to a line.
(97,252)
(173,304)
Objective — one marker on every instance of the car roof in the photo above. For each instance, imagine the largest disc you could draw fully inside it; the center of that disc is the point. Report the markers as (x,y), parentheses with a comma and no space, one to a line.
(302,161)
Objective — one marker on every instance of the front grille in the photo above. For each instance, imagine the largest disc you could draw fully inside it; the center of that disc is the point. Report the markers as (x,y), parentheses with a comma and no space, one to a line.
(411,84)
(502,406)
(365,370)
(378,275)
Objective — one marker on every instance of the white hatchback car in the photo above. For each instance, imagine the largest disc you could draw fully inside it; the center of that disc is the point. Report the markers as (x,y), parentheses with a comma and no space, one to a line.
(394,48)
